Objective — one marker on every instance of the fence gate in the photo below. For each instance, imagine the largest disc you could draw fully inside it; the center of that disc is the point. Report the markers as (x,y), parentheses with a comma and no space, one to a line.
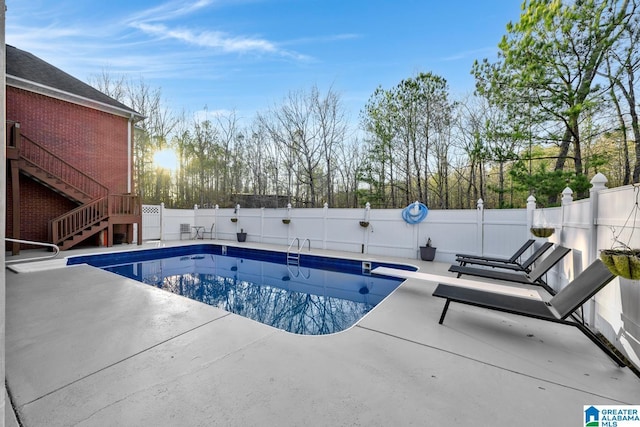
(151,222)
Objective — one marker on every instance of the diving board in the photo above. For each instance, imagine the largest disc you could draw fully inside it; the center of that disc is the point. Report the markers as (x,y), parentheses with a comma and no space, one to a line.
(473,284)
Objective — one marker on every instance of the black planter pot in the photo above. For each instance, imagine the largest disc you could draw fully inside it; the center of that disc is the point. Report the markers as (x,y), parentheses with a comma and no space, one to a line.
(241,237)
(427,253)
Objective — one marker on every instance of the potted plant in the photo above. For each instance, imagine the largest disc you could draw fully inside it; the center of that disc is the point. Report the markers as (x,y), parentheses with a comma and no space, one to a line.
(623,262)
(428,252)
(234,219)
(286,220)
(542,231)
(242,236)
(364,224)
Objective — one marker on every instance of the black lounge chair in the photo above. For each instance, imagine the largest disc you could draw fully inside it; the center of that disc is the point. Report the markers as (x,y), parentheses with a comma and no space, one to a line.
(516,266)
(511,260)
(560,309)
(532,278)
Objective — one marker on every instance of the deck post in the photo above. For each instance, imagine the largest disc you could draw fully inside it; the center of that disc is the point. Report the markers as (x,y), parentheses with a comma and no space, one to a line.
(15,217)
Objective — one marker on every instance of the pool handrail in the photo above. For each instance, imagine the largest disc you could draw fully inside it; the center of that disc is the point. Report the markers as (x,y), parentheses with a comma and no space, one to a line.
(295,258)
(56,250)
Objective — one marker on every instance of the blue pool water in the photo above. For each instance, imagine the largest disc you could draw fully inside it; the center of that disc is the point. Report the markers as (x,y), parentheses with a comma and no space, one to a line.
(320,296)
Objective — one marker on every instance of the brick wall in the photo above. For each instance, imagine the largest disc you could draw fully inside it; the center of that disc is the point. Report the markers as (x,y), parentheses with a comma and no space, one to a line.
(37,205)
(92,141)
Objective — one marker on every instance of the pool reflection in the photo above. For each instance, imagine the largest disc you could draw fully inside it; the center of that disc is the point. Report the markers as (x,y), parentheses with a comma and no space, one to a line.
(297,299)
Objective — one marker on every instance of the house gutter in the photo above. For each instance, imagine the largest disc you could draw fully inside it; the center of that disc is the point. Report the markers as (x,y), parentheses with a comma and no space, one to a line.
(130,153)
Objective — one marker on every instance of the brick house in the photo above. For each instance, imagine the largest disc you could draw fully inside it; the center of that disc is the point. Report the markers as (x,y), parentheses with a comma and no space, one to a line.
(70,159)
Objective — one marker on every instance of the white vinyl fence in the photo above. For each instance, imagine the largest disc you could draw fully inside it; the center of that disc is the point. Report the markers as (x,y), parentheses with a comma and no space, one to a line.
(339,229)
(586,226)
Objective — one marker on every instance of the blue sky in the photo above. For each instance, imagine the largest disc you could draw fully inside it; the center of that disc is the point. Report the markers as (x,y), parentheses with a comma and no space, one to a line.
(247,55)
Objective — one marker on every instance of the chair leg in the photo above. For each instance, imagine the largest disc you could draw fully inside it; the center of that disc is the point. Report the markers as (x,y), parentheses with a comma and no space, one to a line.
(585,330)
(444,311)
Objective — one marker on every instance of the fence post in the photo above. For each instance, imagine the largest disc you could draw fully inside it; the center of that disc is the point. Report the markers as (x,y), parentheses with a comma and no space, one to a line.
(365,240)
(531,208)
(480,226)
(261,224)
(325,213)
(598,182)
(215,220)
(567,199)
(289,218)
(161,221)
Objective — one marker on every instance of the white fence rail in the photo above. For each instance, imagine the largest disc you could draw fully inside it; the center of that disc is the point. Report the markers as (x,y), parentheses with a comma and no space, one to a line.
(587,226)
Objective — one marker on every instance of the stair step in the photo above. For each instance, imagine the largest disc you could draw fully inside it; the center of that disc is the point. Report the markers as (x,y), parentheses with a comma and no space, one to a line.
(83,234)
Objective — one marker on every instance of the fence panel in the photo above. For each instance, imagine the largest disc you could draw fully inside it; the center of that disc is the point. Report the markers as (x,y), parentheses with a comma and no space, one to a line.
(151,222)
(505,230)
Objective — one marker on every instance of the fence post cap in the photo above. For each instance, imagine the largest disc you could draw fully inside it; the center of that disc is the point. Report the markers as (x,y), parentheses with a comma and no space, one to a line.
(567,195)
(599,180)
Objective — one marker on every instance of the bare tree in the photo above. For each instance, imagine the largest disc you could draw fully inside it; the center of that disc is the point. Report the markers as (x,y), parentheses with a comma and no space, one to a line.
(622,65)
(332,128)
(293,126)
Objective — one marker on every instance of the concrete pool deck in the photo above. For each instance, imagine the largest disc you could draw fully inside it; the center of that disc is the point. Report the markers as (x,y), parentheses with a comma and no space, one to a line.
(88,348)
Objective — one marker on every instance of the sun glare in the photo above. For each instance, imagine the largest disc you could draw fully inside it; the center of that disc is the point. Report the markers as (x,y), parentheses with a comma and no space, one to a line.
(166,159)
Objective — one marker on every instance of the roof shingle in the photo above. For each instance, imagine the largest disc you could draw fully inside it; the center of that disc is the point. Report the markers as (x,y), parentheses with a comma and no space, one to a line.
(26,66)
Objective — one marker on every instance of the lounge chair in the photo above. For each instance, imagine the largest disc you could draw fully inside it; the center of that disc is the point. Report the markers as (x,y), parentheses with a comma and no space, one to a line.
(510,260)
(532,278)
(516,266)
(558,309)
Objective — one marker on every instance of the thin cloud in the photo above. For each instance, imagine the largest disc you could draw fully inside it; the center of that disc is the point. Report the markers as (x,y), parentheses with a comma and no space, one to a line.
(213,39)
(217,40)
(469,54)
(152,22)
(169,11)
(323,39)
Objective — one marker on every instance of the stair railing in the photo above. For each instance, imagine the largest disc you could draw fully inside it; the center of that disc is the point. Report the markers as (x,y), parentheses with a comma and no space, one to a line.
(124,204)
(71,223)
(39,156)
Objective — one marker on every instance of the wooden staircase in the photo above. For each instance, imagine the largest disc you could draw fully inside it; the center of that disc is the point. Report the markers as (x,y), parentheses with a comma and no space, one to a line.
(53,182)
(98,210)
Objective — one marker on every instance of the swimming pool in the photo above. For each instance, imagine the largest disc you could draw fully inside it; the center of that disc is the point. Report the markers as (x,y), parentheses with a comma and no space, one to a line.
(321,295)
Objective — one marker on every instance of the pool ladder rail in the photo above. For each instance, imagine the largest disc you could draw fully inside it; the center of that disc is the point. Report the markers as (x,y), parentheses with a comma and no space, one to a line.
(293,258)
(54,248)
